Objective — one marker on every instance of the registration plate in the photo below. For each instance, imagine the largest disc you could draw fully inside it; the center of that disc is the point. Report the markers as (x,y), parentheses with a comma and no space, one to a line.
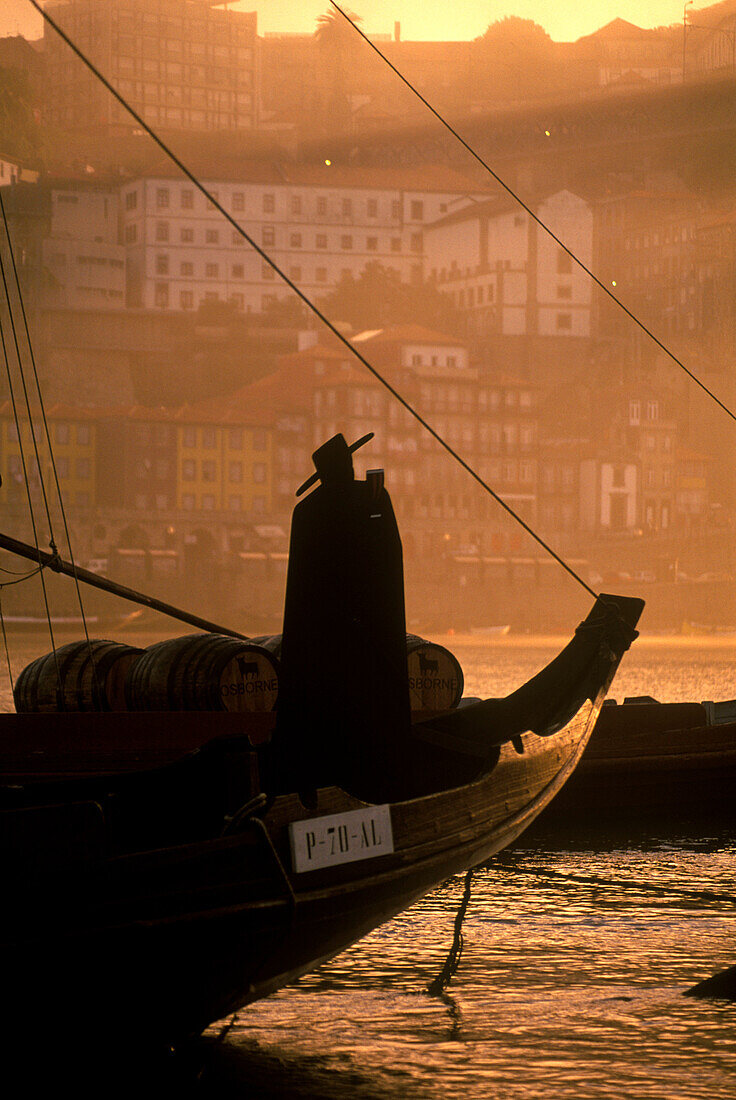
(341,838)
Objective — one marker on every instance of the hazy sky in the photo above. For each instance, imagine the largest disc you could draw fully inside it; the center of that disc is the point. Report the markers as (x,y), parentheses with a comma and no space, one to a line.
(564,20)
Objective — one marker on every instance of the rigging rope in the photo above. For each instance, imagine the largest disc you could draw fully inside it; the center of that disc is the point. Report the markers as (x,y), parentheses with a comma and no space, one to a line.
(535,217)
(5,643)
(32,514)
(211,198)
(42,407)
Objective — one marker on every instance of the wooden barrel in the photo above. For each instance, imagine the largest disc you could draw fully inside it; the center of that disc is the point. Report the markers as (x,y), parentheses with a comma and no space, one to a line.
(271,642)
(435,676)
(79,676)
(204,672)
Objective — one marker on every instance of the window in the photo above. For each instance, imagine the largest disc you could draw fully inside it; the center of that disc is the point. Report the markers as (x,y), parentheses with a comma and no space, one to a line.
(238,271)
(634,412)
(212,271)
(321,240)
(321,274)
(238,201)
(295,273)
(187,501)
(372,208)
(268,235)
(564,292)
(259,440)
(296,204)
(295,240)
(269,203)
(208,501)
(396,244)
(189,437)
(372,244)
(208,438)
(162,231)
(212,236)
(564,322)
(347,207)
(235,439)
(396,208)
(209,470)
(259,472)
(162,264)
(162,198)
(131,234)
(564,263)
(187,199)
(161,295)
(416,242)
(235,471)
(267,272)
(186,299)
(186,267)
(131,200)
(186,235)
(346,241)
(322,205)
(83,434)
(417,211)
(652,410)
(188,469)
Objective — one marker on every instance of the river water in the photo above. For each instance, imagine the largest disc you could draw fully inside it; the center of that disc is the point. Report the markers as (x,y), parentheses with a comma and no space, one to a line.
(566,988)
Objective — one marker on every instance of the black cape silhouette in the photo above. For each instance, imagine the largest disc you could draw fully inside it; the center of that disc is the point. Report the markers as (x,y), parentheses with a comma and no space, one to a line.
(344,708)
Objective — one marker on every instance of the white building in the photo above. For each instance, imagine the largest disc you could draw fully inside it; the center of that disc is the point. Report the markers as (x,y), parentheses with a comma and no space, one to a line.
(507,274)
(84,265)
(609,496)
(315,222)
(183,64)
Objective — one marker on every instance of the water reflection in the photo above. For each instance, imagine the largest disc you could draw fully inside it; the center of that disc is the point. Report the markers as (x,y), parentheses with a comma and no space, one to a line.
(565,988)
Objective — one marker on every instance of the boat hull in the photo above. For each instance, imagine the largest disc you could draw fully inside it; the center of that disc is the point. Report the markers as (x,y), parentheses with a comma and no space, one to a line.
(183,936)
(650,766)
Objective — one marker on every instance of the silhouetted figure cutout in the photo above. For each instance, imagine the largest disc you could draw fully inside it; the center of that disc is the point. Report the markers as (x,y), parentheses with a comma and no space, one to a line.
(344,708)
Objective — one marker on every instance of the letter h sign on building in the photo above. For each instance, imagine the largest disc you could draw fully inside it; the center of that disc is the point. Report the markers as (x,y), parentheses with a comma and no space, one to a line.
(341,838)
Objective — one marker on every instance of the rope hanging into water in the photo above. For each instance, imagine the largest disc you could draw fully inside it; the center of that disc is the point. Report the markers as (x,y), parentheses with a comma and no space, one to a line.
(42,408)
(535,217)
(439,984)
(196,182)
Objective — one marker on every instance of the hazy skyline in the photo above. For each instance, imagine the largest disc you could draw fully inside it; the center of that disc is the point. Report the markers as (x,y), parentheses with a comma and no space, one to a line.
(424,19)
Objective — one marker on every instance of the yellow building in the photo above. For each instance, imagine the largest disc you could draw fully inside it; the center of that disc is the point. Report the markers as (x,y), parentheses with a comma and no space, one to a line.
(224,459)
(73,433)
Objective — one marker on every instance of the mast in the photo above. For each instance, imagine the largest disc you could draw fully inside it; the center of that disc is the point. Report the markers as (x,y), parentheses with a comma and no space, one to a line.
(55,562)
